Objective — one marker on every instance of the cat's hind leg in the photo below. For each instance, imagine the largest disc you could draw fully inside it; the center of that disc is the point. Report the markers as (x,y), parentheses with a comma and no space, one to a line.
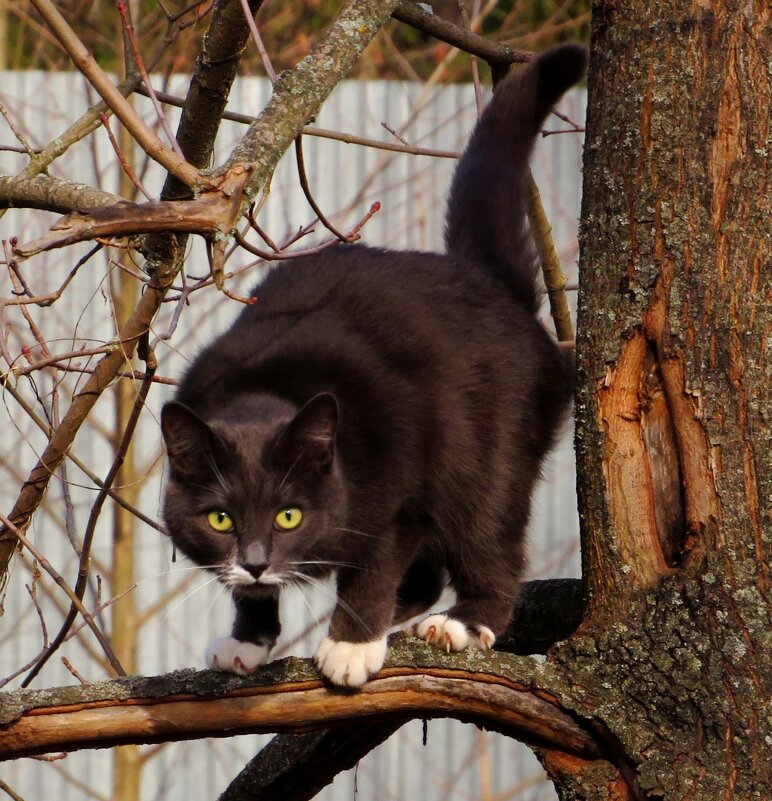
(421,587)
(451,634)
(485,600)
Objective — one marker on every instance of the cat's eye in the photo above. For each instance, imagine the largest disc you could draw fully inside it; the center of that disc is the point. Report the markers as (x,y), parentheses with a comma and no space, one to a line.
(288,518)
(220,521)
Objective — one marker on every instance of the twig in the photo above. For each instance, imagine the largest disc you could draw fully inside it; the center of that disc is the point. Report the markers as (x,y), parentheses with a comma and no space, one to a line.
(66,662)
(99,608)
(128,26)
(395,134)
(49,432)
(324,133)
(28,149)
(125,166)
(269,70)
(48,300)
(9,791)
(96,509)
(554,277)
(478,98)
(352,236)
(85,62)
(307,191)
(48,567)
(53,360)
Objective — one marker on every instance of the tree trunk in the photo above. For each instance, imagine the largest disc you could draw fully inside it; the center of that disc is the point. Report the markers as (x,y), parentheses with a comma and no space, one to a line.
(673,661)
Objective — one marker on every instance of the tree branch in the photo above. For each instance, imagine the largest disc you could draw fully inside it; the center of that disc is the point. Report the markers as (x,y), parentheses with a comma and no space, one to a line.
(51,194)
(299,93)
(212,212)
(210,86)
(495,54)
(299,766)
(110,93)
(419,681)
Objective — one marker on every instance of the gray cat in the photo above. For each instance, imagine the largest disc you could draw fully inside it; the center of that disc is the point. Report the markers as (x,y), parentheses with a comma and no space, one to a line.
(381,415)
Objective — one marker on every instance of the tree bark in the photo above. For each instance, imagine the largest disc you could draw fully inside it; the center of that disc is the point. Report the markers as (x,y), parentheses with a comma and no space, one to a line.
(288,696)
(673,661)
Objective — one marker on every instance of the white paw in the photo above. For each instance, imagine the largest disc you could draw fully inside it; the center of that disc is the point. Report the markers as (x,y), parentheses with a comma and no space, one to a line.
(350,664)
(235,656)
(453,635)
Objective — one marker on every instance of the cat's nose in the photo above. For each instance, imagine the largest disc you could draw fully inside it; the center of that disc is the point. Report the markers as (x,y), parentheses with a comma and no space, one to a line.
(256,570)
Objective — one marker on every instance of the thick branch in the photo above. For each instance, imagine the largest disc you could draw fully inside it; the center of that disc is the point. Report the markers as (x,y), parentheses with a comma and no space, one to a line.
(298,94)
(214,211)
(51,194)
(299,766)
(210,85)
(287,696)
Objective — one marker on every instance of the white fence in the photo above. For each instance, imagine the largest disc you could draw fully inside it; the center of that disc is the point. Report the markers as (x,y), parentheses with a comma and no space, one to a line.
(459,762)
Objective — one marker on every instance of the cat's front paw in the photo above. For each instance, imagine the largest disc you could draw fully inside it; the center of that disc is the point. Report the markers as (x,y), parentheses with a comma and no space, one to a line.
(235,656)
(453,635)
(350,664)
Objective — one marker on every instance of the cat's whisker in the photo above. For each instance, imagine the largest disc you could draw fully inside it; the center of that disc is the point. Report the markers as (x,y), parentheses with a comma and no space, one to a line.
(217,473)
(220,589)
(323,563)
(320,585)
(360,533)
(176,605)
(284,480)
(173,572)
(314,621)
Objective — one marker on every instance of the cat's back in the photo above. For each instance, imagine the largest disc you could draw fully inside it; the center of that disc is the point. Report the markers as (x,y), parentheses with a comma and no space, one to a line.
(352,288)
(356,312)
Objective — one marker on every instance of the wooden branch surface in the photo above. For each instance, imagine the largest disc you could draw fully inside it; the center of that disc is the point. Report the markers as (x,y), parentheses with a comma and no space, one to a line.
(419,681)
(547,611)
(214,211)
(51,194)
(299,766)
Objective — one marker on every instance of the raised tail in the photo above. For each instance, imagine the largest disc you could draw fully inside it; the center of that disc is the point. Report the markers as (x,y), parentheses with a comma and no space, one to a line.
(486,220)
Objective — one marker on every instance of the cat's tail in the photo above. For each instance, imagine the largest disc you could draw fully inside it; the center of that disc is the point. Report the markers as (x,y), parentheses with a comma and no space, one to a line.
(486,220)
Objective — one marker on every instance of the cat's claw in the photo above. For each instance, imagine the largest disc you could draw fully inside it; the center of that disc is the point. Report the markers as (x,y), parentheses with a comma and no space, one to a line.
(235,656)
(350,664)
(453,635)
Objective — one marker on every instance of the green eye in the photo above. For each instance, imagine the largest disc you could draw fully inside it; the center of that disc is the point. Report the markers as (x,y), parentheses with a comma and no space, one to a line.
(288,518)
(220,521)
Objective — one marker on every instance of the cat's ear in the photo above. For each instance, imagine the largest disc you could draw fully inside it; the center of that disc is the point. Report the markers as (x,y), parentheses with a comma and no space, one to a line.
(191,445)
(309,437)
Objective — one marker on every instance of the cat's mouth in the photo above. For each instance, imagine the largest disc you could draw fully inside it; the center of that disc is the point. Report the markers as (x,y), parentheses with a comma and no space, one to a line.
(233,576)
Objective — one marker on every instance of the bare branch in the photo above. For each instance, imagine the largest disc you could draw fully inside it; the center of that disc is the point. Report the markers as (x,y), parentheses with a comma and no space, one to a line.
(300,766)
(323,133)
(502,55)
(85,62)
(46,565)
(287,696)
(51,194)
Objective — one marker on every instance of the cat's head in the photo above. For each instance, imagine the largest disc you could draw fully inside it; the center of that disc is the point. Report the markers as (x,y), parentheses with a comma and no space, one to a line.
(255,493)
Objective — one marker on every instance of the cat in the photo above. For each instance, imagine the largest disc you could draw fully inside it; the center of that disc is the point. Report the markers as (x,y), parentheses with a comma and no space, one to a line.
(382,416)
